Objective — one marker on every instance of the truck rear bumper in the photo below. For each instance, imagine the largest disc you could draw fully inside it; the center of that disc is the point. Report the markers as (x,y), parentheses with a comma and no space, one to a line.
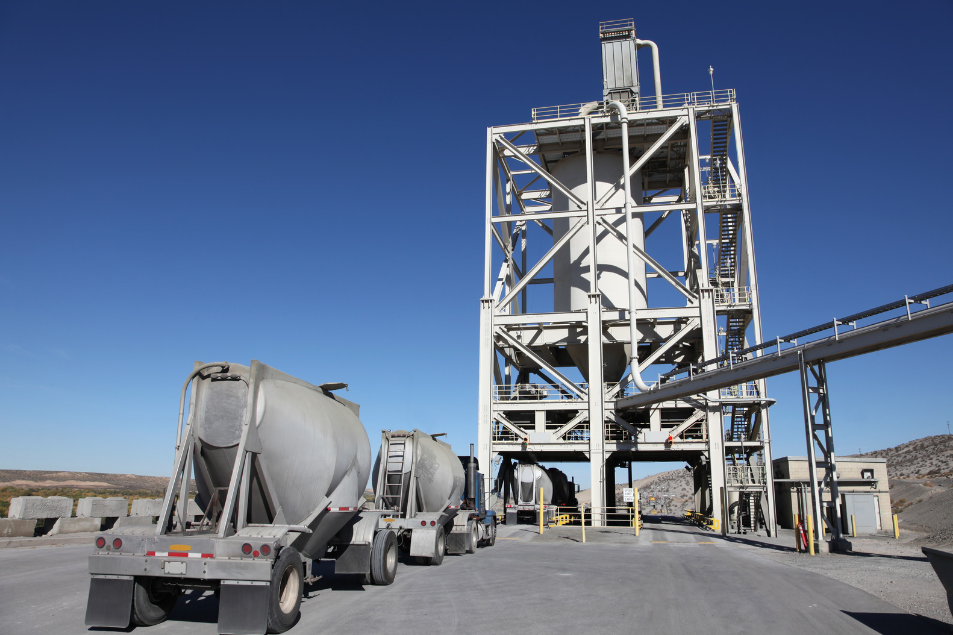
(171,569)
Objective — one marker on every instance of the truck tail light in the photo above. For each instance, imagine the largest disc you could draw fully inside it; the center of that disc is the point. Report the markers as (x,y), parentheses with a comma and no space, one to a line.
(265,550)
(117,544)
(100,542)
(246,549)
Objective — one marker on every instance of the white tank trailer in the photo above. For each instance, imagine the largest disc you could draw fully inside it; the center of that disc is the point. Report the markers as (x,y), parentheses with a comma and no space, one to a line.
(280,466)
(421,485)
(527,479)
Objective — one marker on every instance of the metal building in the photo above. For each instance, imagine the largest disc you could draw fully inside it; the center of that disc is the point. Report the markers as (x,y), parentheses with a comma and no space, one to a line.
(674,264)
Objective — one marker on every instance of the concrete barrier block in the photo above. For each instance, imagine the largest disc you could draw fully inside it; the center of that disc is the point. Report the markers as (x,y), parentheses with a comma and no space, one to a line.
(35,507)
(75,525)
(146,507)
(133,520)
(96,507)
(14,528)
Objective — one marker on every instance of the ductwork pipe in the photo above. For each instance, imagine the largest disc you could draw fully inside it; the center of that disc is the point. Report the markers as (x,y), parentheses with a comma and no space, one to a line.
(630,265)
(656,71)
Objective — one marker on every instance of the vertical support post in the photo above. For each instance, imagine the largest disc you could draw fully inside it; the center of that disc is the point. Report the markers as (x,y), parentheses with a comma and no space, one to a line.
(853,526)
(819,372)
(748,247)
(896,528)
(716,433)
(485,421)
(811,460)
(582,515)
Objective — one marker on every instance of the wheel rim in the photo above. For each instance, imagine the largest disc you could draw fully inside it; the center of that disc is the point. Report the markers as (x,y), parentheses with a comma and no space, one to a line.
(289,589)
(392,558)
(441,546)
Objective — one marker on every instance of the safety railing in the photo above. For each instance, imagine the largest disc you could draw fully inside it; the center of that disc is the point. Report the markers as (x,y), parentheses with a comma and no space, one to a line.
(723,96)
(720,191)
(536,392)
(745,475)
(747,390)
(726,296)
(587,516)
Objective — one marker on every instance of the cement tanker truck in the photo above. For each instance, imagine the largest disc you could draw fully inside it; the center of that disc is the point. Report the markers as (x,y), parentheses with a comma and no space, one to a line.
(422,486)
(280,467)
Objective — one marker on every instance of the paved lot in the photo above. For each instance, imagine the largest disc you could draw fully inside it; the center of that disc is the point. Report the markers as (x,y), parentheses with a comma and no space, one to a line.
(672,579)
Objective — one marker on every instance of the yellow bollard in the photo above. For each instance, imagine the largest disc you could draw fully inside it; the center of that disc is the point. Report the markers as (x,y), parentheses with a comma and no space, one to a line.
(542,510)
(797,534)
(810,534)
(896,528)
(638,515)
(853,526)
(582,514)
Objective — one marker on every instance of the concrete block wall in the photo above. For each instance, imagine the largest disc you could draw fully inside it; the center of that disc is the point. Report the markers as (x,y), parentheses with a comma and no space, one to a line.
(96,507)
(38,507)
(146,507)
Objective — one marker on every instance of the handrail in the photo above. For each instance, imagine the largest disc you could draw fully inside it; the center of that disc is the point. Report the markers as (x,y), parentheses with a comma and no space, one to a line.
(723,96)
(850,320)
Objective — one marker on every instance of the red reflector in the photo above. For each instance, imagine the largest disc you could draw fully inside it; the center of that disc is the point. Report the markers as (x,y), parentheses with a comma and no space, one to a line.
(255,553)
(265,550)
(423,523)
(100,542)
(432,523)
(117,543)
(246,548)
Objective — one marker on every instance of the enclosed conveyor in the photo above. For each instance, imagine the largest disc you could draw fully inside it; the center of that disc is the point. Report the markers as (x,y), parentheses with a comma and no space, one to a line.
(280,466)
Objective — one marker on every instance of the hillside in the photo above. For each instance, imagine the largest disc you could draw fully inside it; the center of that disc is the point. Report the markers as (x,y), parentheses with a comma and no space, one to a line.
(678,483)
(920,458)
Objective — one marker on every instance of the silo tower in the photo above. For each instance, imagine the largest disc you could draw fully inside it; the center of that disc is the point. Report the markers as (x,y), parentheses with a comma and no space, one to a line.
(619,247)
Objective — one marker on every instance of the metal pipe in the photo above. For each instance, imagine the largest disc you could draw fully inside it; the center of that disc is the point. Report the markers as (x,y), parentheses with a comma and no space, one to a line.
(633,325)
(656,71)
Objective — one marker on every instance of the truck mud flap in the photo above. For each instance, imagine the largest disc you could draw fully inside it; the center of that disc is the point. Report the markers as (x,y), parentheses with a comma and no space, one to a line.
(457,543)
(110,602)
(243,608)
(354,559)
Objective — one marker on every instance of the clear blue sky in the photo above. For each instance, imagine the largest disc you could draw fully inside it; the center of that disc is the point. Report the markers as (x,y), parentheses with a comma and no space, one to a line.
(303,185)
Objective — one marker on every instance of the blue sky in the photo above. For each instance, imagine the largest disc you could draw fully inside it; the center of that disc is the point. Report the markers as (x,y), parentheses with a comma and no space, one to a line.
(304,185)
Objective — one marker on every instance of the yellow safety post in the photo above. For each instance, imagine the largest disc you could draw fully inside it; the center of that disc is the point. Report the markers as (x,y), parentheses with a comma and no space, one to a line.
(810,534)
(797,533)
(638,519)
(542,510)
(582,513)
(853,526)
(896,528)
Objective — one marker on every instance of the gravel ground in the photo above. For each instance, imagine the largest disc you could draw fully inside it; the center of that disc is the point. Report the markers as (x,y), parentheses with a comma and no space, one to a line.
(894,571)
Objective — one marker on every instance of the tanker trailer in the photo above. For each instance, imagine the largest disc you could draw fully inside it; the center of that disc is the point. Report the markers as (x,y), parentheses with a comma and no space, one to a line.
(418,483)
(564,492)
(528,478)
(280,467)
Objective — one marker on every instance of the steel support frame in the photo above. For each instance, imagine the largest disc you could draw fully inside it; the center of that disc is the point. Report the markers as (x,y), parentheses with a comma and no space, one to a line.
(820,438)
(504,206)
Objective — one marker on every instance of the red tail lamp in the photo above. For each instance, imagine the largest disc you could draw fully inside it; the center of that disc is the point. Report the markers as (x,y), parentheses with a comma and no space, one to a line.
(246,549)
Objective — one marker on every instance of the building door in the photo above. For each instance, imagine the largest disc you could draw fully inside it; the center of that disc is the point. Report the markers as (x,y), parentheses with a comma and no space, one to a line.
(861,508)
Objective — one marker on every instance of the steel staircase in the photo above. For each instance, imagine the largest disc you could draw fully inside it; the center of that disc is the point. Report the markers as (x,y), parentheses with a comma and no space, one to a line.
(718,178)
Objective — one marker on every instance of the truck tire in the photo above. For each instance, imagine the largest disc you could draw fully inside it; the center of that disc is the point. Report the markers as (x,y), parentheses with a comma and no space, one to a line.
(149,605)
(287,587)
(473,538)
(492,539)
(439,549)
(384,558)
